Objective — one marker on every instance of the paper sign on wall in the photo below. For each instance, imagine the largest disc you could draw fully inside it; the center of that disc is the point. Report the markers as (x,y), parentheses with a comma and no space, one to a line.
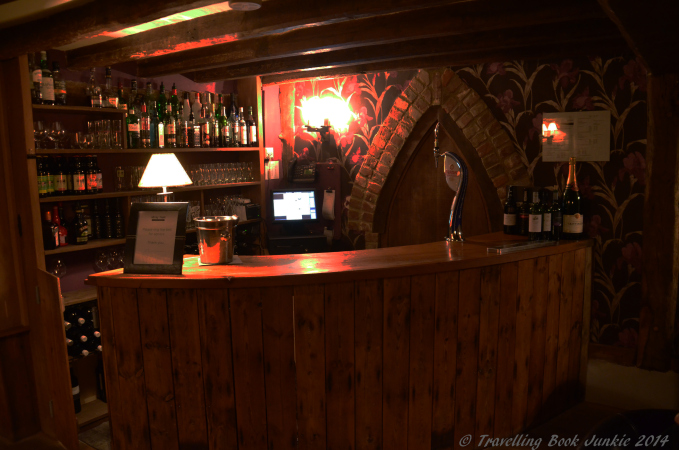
(583,134)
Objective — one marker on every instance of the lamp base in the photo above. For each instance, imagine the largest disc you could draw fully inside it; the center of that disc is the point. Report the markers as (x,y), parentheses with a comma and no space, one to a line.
(164,194)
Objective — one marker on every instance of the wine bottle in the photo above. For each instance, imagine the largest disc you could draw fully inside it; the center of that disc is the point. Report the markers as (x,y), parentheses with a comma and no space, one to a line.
(145,127)
(557,216)
(36,72)
(96,221)
(59,85)
(509,220)
(122,101)
(170,127)
(535,217)
(93,91)
(91,177)
(63,232)
(60,177)
(110,98)
(573,221)
(75,392)
(47,85)
(253,139)
(161,104)
(546,215)
(80,226)
(50,233)
(524,212)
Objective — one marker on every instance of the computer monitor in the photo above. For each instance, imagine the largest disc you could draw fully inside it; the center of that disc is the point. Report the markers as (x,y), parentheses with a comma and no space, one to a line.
(292,206)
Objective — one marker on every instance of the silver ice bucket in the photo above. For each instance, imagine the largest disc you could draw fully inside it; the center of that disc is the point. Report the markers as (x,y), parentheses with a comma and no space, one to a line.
(215,238)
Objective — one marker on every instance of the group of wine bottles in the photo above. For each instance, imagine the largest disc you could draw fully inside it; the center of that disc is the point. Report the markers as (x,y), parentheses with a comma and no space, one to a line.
(68,176)
(47,86)
(546,215)
(89,222)
(82,330)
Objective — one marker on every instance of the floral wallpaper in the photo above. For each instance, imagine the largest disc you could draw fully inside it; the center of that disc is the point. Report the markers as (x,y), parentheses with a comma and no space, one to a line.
(519,93)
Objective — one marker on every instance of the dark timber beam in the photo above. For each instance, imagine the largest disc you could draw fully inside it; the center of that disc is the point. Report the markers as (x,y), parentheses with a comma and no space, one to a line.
(275,16)
(647,27)
(91,19)
(431,22)
(534,52)
(570,32)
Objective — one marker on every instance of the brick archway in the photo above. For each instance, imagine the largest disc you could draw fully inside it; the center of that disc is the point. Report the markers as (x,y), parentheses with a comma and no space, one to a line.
(494,147)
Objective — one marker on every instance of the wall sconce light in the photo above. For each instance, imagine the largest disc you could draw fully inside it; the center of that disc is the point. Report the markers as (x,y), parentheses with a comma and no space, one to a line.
(326,112)
(549,131)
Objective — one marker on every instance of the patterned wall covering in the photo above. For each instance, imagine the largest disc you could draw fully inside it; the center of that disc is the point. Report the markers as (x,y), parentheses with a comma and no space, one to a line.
(518,93)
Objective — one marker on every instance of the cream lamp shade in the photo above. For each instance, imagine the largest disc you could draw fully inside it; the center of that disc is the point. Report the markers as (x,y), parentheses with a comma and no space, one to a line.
(164,169)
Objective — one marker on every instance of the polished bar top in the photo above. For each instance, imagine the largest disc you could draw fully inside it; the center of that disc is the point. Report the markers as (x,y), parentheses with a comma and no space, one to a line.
(279,270)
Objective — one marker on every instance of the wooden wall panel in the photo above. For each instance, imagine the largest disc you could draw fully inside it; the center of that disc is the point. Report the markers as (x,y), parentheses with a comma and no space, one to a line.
(566,305)
(536,369)
(555,263)
(18,410)
(586,317)
(279,367)
(445,359)
(489,316)
(368,353)
(422,303)
(524,320)
(115,407)
(155,341)
(134,424)
(217,365)
(504,391)
(467,355)
(395,359)
(248,358)
(310,357)
(339,365)
(575,339)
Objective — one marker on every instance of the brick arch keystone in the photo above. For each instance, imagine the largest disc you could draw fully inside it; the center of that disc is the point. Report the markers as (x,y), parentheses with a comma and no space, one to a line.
(428,88)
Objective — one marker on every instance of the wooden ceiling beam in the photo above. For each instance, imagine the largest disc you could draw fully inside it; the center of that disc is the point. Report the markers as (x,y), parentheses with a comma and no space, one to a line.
(647,29)
(534,52)
(275,16)
(431,22)
(88,20)
(577,31)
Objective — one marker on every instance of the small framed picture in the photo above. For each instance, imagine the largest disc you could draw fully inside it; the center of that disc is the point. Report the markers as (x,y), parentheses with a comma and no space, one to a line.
(156,234)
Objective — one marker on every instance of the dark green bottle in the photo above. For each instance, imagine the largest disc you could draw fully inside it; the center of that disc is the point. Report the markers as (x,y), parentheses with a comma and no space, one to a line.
(557,216)
(573,221)
(524,211)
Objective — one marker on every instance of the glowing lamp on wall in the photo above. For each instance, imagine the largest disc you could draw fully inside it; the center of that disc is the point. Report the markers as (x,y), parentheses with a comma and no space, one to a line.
(549,131)
(326,111)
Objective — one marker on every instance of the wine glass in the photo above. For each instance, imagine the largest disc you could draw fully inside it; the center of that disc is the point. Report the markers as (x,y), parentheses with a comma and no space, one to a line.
(101,263)
(59,269)
(56,133)
(38,133)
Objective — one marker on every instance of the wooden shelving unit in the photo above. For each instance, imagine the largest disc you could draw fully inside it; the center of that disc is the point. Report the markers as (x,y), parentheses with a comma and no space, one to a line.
(80,296)
(78,110)
(92,151)
(90,245)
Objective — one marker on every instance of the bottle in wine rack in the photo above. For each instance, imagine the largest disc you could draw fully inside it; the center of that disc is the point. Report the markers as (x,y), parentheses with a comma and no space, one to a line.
(573,221)
(75,392)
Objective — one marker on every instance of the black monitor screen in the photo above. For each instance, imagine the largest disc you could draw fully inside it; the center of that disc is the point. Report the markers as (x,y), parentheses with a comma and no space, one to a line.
(294,205)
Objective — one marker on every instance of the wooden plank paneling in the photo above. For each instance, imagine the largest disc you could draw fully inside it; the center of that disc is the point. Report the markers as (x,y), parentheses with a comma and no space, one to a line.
(536,368)
(310,356)
(422,313)
(339,365)
(575,340)
(505,352)
(467,355)
(586,317)
(217,365)
(279,367)
(368,352)
(105,297)
(445,359)
(248,364)
(489,316)
(565,308)
(155,342)
(524,319)
(396,360)
(18,409)
(551,331)
(184,325)
(133,426)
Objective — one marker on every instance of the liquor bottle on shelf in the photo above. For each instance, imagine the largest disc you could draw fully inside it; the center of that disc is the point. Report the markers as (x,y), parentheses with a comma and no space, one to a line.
(535,217)
(93,90)
(196,106)
(75,392)
(253,140)
(79,177)
(47,167)
(170,127)
(524,212)
(145,128)
(50,233)
(59,85)
(160,129)
(60,177)
(225,129)
(96,221)
(109,96)
(191,128)
(243,129)
(546,215)
(153,123)
(79,228)
(57,212)
(107,222)
(91,177)
(174,99)
(186,107)
(557,216)
(133,129)
(234,123)
(100,178)
(118,232)
(132,99)
(42,177)
(120,178)
(36,77)
(47,85)
(182,130)
(215,129)
(205,131)
(88,221)
(122,100)
(573,222)
(509,221)
(161,103)
(148,95)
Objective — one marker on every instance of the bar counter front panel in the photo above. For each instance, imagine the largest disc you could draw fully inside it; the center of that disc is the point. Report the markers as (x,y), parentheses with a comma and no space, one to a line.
(412,347)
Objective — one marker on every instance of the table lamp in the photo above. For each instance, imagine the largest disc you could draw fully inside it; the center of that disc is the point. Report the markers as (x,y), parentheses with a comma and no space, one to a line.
(164,169)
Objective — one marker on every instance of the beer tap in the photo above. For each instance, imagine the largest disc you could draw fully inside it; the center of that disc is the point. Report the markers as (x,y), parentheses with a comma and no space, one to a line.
(456,177)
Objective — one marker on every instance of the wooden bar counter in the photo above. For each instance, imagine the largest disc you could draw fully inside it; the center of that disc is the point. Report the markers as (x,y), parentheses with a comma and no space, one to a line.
(409,347)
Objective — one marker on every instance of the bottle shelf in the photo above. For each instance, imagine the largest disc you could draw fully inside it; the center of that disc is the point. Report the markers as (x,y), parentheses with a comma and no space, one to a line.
(92,412)
(91,151)
(117,194)
(78,109)
(98,243)
(79,296)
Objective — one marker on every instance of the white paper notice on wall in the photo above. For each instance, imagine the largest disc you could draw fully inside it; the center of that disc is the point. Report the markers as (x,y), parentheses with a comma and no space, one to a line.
(583,134)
